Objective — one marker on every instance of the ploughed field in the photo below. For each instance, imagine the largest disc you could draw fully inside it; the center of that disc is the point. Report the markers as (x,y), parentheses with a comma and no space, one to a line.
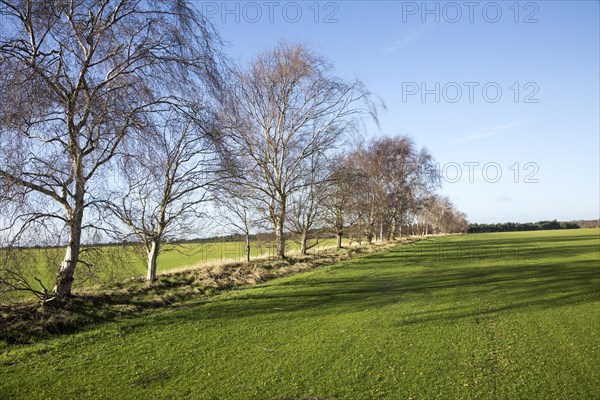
(507,315)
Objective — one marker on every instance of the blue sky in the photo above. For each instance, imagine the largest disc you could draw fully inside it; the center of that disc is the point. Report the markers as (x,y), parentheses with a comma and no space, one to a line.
(517,89)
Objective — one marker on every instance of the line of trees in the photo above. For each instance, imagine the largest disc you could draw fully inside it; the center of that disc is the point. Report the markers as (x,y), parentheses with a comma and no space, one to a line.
(526,226)
(122,118)
(380,188)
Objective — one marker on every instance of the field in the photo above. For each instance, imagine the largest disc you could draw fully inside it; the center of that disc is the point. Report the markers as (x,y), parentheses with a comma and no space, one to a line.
(117,263)
(487,316)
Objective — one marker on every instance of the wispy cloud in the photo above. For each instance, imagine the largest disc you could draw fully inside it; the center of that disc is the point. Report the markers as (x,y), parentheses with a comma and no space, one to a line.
(493,131)
(504,199)
(407,38)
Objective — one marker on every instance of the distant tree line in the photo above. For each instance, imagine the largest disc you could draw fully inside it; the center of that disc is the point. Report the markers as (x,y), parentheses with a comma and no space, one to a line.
(527,226)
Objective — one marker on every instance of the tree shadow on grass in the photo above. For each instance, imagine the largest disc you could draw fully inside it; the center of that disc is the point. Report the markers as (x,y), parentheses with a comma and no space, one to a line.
(434,293)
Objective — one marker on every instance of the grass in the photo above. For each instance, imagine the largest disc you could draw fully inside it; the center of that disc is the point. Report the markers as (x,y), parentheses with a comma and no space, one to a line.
(509,315)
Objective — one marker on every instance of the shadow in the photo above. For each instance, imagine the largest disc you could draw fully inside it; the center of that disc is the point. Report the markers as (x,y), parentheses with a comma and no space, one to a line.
(375,284)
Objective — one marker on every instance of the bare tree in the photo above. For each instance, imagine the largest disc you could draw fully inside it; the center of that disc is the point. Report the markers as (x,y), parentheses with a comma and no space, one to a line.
(441,215)
(412,175)
(283,108)
(307,202)
(339,197)
(368,189)
(238,206)
(165,179)
(389,177)
(76,77)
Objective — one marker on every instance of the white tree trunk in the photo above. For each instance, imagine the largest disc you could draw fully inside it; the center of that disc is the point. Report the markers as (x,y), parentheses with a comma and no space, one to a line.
(152,255)
(64,279)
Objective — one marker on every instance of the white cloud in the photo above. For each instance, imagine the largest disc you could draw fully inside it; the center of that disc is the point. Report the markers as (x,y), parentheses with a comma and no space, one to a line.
(493,131)
(407,38)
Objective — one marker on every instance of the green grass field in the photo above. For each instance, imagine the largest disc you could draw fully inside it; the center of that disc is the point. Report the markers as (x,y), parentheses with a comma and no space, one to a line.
(488,316)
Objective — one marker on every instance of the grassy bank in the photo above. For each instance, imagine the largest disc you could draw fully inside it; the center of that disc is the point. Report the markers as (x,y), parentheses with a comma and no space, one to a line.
(110,264)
